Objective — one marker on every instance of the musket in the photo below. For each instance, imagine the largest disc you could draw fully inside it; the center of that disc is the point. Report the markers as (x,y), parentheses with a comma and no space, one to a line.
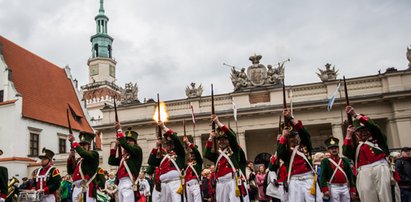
(347,100)
(69,126)
(184,128)
(280,130)
(213,112)
(120,153)
(286,124)
(159,119)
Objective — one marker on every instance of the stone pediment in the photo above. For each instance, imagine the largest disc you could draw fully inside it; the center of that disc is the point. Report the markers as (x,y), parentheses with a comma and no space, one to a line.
(257,75)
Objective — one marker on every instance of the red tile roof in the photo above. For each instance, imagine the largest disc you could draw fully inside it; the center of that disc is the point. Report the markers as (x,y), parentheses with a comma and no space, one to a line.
(45,88)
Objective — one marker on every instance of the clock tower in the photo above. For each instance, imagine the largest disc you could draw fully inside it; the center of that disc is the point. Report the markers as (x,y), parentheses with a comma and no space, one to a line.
(101,87)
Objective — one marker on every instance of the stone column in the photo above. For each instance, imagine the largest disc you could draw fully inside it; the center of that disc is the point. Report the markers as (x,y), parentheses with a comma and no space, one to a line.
(241,141)
(338,133)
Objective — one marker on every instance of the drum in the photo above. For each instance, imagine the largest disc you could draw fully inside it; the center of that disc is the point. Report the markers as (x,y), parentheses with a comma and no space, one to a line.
(30,196)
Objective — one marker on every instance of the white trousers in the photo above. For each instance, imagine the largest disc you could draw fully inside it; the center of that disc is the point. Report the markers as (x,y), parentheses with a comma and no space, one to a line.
(156,195)
(77,192)
(339,193)
(299,188)
(125,190)
(170,182)
(193,191)
(225,189)
(374,182)
(48,198)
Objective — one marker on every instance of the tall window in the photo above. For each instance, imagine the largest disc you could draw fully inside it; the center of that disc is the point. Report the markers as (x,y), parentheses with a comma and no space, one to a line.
(34,144)
(62,145)
(1,95)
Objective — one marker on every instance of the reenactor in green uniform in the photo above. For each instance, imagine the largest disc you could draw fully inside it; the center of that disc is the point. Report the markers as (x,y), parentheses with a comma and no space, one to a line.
(129,164)
(169,162)
(84,169)
(294,148)
(227,160)
(336,177)
(47,179)
(4,176)
(369,154)
(192,172)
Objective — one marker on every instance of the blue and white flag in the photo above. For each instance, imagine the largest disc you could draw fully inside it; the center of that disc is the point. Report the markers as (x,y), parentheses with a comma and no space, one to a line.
(235,111)
(332,98)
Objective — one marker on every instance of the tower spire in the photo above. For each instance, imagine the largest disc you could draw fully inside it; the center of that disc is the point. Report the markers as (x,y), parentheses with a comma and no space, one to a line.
(101,10)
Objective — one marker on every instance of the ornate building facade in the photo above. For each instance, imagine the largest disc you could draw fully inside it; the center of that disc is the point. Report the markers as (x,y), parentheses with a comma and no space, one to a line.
(384,97)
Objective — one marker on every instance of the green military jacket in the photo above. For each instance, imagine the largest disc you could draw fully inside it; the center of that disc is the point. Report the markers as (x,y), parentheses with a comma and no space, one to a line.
(4,177)
(155,159)
(134,160)
(235,157)
(52,182)
(350,149)
(284,153)
(243,161)
(89,165)
(327,171)
(199,160)
(101,178)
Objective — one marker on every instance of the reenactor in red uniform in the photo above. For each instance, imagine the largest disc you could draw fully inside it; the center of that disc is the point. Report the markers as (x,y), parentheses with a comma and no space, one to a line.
(192,172)
(129,164)
(170,163)
(84,169)
(369,155)
(294,149)
(227,161)
(337,179)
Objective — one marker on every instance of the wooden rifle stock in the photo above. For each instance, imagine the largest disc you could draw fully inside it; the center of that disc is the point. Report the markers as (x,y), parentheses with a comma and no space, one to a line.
(347,100)
(119,152)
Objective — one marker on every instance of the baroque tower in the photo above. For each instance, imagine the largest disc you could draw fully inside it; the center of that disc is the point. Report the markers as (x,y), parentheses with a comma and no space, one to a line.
(101,87)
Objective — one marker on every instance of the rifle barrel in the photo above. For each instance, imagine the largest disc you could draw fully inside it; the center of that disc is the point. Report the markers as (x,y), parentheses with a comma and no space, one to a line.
(212,106)
(347,100)
(159,115)
(115,109)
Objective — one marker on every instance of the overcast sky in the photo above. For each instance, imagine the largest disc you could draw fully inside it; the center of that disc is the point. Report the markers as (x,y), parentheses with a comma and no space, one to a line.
(164,45)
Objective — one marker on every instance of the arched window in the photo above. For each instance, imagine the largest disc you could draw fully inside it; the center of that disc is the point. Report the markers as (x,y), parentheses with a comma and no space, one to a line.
(96,49)
(109,51)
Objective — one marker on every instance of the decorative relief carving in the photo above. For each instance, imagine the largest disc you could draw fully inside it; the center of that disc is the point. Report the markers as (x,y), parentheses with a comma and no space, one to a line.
(257,74)
(129,93)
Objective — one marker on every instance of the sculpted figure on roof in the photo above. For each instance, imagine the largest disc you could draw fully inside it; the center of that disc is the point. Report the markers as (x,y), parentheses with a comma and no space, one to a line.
(193,91)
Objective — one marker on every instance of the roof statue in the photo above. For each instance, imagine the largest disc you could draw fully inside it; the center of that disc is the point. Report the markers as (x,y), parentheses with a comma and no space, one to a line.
(328,74)
(409,56)
(193,91)
(257,74)
(129,93)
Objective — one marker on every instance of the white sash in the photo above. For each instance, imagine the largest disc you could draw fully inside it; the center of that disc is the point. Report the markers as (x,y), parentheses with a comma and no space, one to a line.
(223,154)
(337,167)
(40,178)
(82,175)
(295,151)
(123,160)
(357,151)
(194,171)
